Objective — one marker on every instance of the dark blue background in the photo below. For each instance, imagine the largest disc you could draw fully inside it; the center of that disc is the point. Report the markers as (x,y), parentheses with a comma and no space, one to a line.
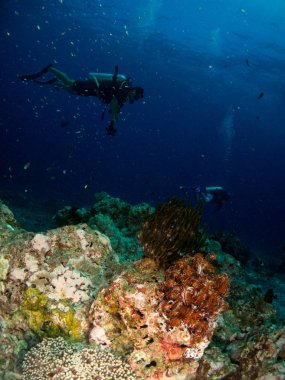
(190,57)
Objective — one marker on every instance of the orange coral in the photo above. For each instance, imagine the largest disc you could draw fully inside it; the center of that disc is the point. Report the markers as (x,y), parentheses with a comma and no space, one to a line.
(193,296)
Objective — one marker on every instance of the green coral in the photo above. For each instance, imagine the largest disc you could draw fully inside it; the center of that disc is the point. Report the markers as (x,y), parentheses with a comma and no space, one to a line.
(49,319)
(126,247)
(126,216)
(117,219)
(7,217)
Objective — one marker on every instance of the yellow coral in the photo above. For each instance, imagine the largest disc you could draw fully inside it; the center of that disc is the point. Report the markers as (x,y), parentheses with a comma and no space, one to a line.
(50,319)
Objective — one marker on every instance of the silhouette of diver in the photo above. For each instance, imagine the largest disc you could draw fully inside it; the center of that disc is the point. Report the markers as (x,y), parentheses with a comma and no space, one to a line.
(112,89)
(211,194)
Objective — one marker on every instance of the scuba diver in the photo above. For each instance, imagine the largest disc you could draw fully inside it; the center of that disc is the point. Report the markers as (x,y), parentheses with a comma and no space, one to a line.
(112,89)
(216,195)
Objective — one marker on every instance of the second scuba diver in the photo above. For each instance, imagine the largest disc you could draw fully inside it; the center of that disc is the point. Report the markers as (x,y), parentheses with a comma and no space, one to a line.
(216,195)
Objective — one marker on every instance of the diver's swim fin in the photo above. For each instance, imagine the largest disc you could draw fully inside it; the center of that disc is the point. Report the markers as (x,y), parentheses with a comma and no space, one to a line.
(29,76)
(50,81)
(111,130)
(35,75)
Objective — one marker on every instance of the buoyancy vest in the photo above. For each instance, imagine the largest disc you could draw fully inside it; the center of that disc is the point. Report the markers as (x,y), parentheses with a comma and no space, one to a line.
(111,85)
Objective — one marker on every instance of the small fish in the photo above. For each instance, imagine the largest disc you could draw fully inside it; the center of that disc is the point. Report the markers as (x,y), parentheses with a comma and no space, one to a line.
(64,123)
(247,62)
(27,165)
(260,95)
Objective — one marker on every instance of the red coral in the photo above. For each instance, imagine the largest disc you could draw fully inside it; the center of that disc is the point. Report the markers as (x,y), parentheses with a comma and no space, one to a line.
(193,296)
(173,351)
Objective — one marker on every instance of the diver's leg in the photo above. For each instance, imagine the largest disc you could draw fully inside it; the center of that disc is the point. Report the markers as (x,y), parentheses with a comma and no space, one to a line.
(115,110)
(61,80)
(62,77)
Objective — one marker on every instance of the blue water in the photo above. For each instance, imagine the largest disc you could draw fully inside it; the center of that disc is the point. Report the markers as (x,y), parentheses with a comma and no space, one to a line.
(200,122)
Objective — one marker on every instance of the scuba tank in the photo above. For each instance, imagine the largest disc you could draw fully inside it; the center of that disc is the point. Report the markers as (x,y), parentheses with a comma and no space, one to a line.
(116,79)
(105,76)
(213,188)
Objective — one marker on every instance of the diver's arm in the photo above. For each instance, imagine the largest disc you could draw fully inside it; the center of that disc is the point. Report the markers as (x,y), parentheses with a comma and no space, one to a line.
(218,207)
(202,197)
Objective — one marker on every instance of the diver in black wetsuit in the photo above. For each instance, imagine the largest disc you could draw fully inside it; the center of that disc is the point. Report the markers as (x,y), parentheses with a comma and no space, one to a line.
(216,195)
(113,89)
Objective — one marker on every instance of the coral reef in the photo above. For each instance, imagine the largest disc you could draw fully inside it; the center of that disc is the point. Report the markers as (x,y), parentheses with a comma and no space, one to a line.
(173,230)
(126,216)
(261,357)
(8,226)
(119,220)
(47,283)
(232,244)
(7,217)
(166,322)
(193,297)
(248,320)
(137,315)
(216,365)
(55,359)
(69,215)
(45,317)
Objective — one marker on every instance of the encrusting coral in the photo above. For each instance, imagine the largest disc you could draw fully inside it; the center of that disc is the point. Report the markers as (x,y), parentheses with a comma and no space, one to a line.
(173,230)
(163,322)
(55,359)
(51,318)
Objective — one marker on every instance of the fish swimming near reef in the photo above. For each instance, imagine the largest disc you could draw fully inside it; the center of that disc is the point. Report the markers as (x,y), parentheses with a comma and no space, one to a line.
(64,123)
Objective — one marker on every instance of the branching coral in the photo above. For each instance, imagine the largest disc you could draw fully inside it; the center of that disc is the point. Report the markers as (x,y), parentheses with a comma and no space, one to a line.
(172,231)
(56,359)
(193,296)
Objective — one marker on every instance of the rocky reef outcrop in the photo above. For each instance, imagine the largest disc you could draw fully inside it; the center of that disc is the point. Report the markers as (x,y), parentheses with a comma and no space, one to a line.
(68,298)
